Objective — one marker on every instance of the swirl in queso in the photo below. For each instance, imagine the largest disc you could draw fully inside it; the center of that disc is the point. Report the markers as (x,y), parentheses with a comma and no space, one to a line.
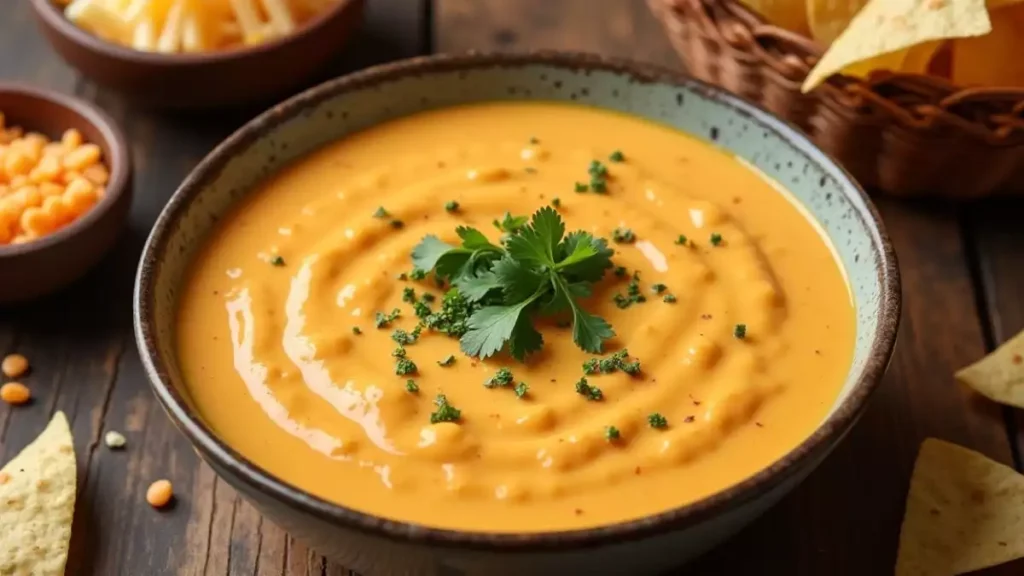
(744,337)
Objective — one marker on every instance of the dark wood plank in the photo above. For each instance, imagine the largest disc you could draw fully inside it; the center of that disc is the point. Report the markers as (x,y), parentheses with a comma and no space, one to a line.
(610,27)
(85,362)
(845,519)
(996,241)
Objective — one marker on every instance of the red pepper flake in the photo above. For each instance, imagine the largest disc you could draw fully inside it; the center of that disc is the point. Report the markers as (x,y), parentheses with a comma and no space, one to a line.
(694,400)
(637,471)
(579,511)
(759,425)
(1017,359)
(688,419)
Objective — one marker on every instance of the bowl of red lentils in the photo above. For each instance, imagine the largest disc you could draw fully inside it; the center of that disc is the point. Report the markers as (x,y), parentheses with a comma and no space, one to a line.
(65,189)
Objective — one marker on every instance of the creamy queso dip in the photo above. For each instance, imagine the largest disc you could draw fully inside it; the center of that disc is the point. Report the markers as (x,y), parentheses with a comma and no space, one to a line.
(267,330)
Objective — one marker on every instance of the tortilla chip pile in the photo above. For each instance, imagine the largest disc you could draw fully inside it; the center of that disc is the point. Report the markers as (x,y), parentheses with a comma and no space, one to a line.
(964,511)
(37,504)
(971,42)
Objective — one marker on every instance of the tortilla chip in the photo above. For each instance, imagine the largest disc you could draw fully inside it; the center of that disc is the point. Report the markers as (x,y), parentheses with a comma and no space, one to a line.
(788,14)
(884,29)
(995,58)
(1000,375)
(37,504)
(828,18)
(964,513)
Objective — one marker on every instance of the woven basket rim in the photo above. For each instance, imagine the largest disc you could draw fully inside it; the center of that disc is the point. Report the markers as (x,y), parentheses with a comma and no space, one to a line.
(993,115)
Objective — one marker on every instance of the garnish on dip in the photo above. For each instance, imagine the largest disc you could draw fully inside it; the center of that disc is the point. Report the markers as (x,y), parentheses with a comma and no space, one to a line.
(538,270)
(445,412)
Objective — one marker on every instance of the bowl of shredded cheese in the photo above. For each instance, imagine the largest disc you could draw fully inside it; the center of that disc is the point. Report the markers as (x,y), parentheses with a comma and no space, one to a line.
(198,53)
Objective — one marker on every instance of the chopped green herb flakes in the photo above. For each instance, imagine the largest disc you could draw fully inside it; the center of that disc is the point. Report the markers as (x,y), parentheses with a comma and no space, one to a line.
(408,294)
(740,331)
(445,412)
(382,320)
(405,338)
(623,235)
(656,420)
(404,367)
(521,389)
(592,393)
(503,377)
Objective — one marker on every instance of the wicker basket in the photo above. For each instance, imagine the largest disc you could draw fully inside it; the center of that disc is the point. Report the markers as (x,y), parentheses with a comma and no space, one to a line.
(903,134)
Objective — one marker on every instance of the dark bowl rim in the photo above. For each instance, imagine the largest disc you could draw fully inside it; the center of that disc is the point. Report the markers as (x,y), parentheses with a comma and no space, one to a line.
(54,18)
(255,478)
(119,164)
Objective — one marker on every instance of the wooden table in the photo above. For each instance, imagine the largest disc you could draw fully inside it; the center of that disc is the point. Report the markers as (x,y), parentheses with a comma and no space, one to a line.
(963,279)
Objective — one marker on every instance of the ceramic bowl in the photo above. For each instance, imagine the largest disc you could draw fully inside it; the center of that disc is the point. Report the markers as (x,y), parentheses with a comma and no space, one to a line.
(374,545)
(49,263)
(215,79)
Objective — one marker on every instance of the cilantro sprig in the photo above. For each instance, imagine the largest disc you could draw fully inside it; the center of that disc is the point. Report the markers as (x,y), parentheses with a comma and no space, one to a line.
(537,269)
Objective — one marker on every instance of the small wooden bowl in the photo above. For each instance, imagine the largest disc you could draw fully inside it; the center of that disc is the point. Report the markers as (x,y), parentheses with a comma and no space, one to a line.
(49,263)
(215,79)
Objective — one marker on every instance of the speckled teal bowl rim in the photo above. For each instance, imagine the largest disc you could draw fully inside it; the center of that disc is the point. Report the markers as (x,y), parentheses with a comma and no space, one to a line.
(815,447)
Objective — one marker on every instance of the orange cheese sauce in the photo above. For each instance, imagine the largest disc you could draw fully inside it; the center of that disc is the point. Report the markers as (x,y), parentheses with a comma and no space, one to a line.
(273,364)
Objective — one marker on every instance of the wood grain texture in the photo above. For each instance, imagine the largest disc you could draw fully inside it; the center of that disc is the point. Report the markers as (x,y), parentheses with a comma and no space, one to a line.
(82,348)
(845,519)
(996,239)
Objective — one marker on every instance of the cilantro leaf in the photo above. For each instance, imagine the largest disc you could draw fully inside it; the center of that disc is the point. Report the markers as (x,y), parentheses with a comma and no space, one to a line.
(490,327)
(473,239)
(525,339)
(511,224)
(518,281)
(426,254)
(452,263)
(477,287)
(585,258)
(536,270)
(588,331)
(548,227)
